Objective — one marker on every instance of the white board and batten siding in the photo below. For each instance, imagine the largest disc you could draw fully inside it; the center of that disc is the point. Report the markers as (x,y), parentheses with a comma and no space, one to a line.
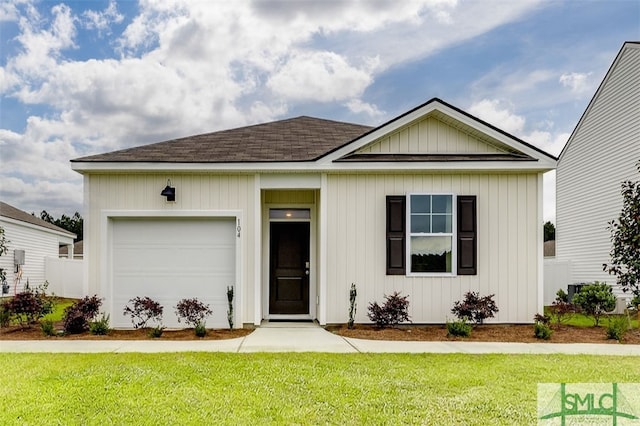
(38,243)
(602,152)
(509,242)
(211,200)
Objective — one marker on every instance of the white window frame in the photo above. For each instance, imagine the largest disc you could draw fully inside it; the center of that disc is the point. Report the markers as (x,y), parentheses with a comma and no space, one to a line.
(453,234)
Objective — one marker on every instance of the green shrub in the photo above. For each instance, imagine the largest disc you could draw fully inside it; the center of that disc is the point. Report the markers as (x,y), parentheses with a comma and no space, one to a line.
(459,328)
(29,306)
(200,330)
(542,331)
(77,316)
(475,308)
(48,329)
(156,332)
(100,327)
(595,299)
(394,311)
(617,326)
(5,316)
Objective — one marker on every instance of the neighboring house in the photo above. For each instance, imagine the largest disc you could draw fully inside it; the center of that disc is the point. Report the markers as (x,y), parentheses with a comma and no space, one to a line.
(433,203)
(30,241)
(601,153)
(78,251)
(549,248)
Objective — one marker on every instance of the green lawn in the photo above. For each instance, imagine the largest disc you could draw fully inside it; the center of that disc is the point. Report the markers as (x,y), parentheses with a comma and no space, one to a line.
(58,309)
(211,388)
(582,320)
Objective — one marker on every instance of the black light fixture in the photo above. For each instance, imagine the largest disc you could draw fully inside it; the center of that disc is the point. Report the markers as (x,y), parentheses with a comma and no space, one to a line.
(169,191)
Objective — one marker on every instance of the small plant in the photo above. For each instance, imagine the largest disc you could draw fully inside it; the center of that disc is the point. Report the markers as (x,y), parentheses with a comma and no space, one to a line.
(200,330)
(595,299)
(29,306)
(230,309)
(459,328)
(47,327)
(100,327)
(5,316)
(561,309)
(143,310)
(541,329)
(353,293)
(156,332)
(394,311)
(475,308)
(617,326)
(193,312)
(77,316)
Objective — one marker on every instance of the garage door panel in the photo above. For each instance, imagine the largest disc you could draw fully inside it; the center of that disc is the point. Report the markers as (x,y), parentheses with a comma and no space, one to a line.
(173,259)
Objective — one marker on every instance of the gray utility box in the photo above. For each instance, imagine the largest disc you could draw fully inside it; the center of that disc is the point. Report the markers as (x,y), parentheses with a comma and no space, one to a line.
(18,257)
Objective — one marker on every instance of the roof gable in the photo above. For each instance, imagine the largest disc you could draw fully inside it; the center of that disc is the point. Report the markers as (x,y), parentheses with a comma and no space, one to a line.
(626,63)
(438,131)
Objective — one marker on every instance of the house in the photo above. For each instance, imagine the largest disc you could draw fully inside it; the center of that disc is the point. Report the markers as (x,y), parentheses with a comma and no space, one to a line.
(433,203)
(601,153)
(78,250)
(30,241)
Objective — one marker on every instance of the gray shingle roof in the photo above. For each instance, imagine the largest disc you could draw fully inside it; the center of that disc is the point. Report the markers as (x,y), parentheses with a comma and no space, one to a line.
(294,139)
(11,212)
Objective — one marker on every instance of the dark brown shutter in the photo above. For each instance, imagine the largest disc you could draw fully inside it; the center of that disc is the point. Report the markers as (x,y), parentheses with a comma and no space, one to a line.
(396,247)
(467,235)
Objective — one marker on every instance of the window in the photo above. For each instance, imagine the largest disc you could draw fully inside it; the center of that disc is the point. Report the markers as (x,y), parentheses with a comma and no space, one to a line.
(431,231)
(431,234)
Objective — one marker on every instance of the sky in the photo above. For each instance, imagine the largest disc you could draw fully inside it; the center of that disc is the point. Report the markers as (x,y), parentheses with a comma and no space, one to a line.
(86,77)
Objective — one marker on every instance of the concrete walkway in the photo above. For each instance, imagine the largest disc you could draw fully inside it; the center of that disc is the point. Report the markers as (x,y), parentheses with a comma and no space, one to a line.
(308,337)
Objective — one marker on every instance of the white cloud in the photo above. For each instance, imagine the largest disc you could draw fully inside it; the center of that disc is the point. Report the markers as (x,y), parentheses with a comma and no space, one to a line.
(359,107)
(578,82)
(102,21)
(492,111)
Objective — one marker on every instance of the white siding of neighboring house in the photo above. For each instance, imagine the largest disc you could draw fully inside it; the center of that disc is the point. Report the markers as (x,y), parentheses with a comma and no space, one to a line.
(141,192)
(509,244)
(601,154)
(38,243)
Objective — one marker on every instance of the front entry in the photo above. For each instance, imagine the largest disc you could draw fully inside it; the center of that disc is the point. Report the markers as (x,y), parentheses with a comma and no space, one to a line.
(289,268)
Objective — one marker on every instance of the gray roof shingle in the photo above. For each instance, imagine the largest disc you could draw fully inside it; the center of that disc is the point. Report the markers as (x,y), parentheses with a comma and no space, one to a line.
(290,140)
(11,212)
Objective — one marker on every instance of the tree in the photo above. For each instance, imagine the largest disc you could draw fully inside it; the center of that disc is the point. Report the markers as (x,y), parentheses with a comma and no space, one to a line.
(625,239)
(72,224)
(549,231)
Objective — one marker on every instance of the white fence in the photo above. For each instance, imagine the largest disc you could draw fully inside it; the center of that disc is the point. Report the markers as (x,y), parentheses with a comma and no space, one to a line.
(556,277)
(64,277)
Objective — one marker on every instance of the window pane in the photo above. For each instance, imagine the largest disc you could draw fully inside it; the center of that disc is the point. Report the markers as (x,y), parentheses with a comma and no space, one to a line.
(441,203)
(441,223)
(289,214)
(420,204)
(420,223)
(431,254)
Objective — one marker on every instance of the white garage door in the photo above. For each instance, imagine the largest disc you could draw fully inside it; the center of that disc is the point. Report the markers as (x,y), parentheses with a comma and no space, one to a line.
(172,259)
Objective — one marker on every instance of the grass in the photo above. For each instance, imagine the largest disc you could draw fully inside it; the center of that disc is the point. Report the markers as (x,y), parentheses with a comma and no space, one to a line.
(213,388)
(582,320)
(58,309)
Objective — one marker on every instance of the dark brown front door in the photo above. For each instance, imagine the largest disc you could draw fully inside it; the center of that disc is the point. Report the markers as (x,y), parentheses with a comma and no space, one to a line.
(289,270)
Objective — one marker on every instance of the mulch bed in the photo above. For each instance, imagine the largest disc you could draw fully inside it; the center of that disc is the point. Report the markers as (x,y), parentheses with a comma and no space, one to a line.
(485,333)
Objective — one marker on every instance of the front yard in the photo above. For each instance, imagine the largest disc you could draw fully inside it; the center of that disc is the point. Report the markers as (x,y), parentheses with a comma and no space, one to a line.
(288,388)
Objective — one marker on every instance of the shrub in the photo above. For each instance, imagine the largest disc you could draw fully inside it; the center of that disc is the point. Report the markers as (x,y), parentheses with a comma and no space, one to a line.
(230,309)
(5,316)
(144,309)
(47,327)
(200,330)
(459,328)
(192,312)
(475,308)
(541,329)
(100,327)
(616,327)
(394,311)
(561,309)
(28,306)
(77,316)
(595,299)
(156,332)
(353,293)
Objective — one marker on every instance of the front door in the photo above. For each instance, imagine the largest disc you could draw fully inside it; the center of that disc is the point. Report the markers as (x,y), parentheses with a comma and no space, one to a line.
(289,268)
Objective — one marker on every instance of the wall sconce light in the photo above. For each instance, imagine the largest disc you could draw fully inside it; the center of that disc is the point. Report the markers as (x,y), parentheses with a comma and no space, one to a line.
(169,191)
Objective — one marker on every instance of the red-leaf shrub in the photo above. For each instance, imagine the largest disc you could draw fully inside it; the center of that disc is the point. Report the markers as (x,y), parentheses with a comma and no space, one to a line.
(192,312)
(394,311)
(475,308)
(144,309)
(77,316)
